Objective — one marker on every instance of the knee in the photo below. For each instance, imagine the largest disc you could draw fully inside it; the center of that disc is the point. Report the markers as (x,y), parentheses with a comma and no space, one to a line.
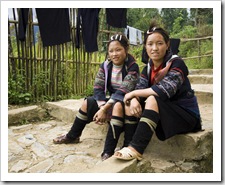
(151,103)
(84,106)
(151,99)
(118,109)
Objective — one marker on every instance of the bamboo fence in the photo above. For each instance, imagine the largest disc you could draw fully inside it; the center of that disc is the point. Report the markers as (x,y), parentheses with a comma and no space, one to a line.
(54,72)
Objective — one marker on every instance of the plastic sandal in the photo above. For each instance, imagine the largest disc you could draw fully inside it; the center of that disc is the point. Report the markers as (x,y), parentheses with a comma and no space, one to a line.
(127,154)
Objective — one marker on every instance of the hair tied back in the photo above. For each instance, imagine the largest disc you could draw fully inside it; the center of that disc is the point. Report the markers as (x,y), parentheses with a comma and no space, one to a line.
(152,30)
(116,37)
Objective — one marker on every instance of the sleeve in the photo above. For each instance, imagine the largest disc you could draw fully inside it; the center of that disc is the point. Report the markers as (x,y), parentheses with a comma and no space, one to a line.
(173,80)
(129,82)
(143,81)
(78,29)
(99,85)
(23,20)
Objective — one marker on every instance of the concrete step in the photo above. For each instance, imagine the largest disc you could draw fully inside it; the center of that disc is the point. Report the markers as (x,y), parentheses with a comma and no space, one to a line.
(185,153)
(182,153)
(204,93)
(201,76)
(190,152)
(66,110)
(193,147)
(200,71)
(26,114)
(201,79)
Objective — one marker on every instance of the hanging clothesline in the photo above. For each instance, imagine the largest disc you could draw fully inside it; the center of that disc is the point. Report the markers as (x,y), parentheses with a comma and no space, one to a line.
(134,35)
(54,25)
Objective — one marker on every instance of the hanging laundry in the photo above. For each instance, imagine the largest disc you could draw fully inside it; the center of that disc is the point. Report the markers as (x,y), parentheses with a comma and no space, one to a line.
(139,36)
(23,20)
(132,35)
(116,17)
(54,25)
(174,45)
(87,22)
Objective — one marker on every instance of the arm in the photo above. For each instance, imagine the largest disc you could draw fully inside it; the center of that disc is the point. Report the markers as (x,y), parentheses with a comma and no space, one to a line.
(101,115)
(171,84)
(99,85)
(128,84)
(129,81)
(141,87)
(139,93)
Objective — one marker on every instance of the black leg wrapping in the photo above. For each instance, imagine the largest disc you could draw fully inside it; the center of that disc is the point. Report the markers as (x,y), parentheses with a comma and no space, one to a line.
(129,129)
(144,132)
(78,125)
(151,114)
(112,139)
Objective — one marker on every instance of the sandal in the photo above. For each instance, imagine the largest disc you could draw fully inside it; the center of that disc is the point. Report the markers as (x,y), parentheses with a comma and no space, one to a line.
(127,154)
(64,139)
(117,149)
(105,156)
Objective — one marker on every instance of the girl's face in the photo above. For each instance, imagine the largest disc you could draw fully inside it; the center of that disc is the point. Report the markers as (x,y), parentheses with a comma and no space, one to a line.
(156,47)
(117,53)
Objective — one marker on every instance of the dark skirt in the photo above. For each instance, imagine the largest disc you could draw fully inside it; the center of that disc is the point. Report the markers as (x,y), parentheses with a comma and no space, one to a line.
(174,120)
(92,108)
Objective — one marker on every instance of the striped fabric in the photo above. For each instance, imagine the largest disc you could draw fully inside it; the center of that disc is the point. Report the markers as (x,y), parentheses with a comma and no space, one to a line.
(116,79)
(128,78)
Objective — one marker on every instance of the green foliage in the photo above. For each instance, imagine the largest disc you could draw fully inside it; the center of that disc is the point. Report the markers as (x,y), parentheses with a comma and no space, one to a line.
(40,81)
(136,52)
(205,30)
(186,32)
(203,63)
(46,98)
(177,25)
(201,16)
(190,49)
(179,22)
(16,92)
(140,17)
(89,91)
(171,14)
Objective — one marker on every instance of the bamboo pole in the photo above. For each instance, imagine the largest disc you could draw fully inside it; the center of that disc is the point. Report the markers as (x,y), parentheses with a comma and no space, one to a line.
(11,61)
(78,70)
(48,76)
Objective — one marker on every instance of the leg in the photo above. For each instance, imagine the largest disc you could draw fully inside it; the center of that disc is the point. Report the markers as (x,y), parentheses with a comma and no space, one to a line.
(114,131)
(130,126)
(151,104)
(145,128)
(73,136)
(79,123)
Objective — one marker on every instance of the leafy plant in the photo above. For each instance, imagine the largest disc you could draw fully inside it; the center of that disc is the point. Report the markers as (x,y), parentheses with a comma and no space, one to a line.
(16,91)
(89,91)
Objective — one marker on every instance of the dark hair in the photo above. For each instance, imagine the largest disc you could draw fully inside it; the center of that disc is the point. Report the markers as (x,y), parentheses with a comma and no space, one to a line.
(156,29)
(121,38)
